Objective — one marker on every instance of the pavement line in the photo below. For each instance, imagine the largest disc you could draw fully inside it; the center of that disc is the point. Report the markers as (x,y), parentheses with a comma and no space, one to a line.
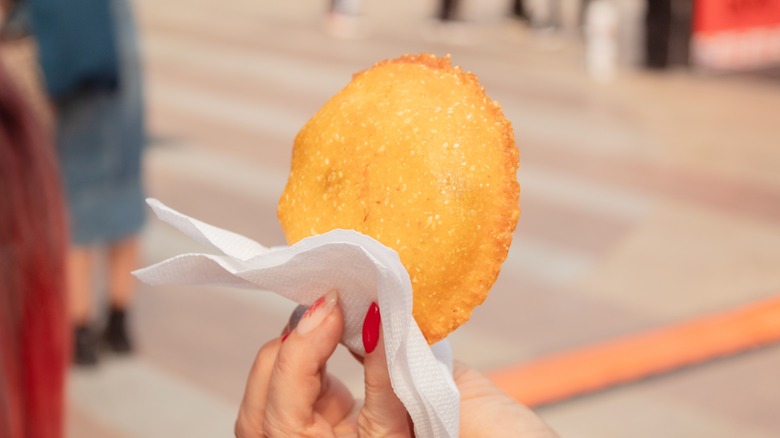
(602,365)
(645,413)
(263,118)
(554,264)
(582,194)
(234,175)
(293,74)
(140,400)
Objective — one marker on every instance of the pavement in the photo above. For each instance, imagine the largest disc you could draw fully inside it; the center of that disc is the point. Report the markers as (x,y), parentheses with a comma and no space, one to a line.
(646,201)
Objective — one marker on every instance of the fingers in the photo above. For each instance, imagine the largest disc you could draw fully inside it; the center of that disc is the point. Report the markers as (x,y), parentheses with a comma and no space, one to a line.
(383,414)
(298,385)
(295,317)
(335,399)
(289,393)
(251,413)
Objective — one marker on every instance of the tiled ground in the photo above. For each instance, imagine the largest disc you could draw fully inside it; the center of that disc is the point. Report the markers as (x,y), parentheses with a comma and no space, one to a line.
(645,201)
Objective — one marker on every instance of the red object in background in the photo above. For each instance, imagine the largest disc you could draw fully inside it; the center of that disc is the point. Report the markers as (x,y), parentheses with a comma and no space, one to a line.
(736,34)
(726,15)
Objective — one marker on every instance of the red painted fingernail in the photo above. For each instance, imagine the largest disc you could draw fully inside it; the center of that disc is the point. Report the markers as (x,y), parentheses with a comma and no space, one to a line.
(371,328)
(317,312)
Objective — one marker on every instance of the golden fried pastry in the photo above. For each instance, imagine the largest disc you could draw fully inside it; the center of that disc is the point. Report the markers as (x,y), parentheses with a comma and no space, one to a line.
(413,153)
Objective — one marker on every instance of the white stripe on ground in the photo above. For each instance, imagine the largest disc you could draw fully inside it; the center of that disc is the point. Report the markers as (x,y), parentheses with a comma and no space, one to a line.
(243,176)
(550,262)
(298,76)
(252,114)
(140,400)
(643,411)
(585,195)
(239,177)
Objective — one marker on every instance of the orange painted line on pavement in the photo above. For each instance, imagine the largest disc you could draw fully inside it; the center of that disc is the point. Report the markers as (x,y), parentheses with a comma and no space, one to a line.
(599,366)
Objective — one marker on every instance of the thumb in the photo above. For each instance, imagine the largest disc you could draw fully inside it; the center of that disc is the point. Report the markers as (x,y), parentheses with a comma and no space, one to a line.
(297,377)
(383,414)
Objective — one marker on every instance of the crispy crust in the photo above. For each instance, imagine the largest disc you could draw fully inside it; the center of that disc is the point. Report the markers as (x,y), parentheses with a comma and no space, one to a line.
(413,153)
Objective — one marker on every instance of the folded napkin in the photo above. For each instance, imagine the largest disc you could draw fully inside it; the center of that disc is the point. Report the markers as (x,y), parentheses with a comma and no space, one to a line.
(361,269)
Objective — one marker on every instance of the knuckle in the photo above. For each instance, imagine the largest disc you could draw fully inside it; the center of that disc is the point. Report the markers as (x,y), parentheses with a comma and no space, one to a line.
(267,354)
(245,428)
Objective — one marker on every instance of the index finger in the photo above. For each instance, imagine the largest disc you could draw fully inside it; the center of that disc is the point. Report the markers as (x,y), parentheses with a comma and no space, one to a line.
(297,376)
(252,411)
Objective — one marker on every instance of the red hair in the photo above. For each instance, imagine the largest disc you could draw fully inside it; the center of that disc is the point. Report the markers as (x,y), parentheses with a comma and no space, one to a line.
(34,332)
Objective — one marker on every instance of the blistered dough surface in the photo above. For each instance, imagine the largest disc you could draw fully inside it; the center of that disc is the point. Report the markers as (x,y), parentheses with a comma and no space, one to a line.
(413,153)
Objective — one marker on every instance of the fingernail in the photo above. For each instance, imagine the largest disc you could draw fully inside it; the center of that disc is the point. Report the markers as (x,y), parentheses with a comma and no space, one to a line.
(317,312)
(371,328)
(296,316)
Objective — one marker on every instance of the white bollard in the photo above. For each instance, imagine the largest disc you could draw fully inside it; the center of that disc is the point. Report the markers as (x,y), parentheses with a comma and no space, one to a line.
(601,37)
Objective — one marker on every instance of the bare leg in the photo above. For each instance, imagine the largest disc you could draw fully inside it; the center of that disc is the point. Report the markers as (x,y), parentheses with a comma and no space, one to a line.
(447,10)
(122,259)
(80,265)
(80,262)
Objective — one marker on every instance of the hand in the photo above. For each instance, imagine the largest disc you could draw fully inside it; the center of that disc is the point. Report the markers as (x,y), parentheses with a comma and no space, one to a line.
(288,392)
(486,411)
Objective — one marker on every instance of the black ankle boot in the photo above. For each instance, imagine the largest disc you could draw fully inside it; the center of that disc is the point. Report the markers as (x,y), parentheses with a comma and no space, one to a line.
(115,337)
(84,346)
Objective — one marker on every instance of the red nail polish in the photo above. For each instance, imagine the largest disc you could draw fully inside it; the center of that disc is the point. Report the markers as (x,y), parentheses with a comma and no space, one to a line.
(313,307)
(371,328)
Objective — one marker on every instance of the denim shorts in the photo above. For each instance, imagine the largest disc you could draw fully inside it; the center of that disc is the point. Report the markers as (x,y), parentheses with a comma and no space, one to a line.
(100,138)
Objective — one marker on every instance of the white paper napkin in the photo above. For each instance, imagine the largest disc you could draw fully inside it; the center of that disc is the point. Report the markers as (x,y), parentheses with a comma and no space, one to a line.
(361,269)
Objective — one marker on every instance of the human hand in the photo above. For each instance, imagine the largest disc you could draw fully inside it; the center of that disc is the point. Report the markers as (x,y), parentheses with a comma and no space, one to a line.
(289,393)
(486,411)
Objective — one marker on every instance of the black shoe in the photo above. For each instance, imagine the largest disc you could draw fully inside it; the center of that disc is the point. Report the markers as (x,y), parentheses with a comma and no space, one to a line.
(115,337)
(84,346)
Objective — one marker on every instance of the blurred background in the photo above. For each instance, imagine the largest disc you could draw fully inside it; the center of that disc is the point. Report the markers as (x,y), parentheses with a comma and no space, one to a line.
(650,175)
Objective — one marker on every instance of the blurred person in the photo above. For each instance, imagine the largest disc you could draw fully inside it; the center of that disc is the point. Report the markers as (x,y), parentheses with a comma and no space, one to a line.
(89,57)
(543,14)
(34,335)
(18,52)
(342,19)
(15,19)
(288,392)
(447,10)
(448,27)
(658,25)
(548,15)
(519,10)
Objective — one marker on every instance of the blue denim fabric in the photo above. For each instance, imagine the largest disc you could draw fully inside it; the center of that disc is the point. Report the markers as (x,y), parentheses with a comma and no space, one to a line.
(100,139)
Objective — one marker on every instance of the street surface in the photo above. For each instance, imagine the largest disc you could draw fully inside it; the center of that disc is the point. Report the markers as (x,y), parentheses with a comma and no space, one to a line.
(645,201)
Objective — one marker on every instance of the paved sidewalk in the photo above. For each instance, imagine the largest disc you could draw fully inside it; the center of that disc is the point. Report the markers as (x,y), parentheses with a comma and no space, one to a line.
(645,201)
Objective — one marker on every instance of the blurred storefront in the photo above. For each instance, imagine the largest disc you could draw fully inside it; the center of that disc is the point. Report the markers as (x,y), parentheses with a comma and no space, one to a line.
(710,35)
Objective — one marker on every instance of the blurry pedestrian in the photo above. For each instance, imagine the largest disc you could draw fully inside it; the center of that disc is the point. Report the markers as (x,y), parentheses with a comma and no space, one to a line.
(342,19)
(658,25)
(449,27)
(447,10)
(90,62)
(15,19)
(518,10)
(34,335)
(543,14)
